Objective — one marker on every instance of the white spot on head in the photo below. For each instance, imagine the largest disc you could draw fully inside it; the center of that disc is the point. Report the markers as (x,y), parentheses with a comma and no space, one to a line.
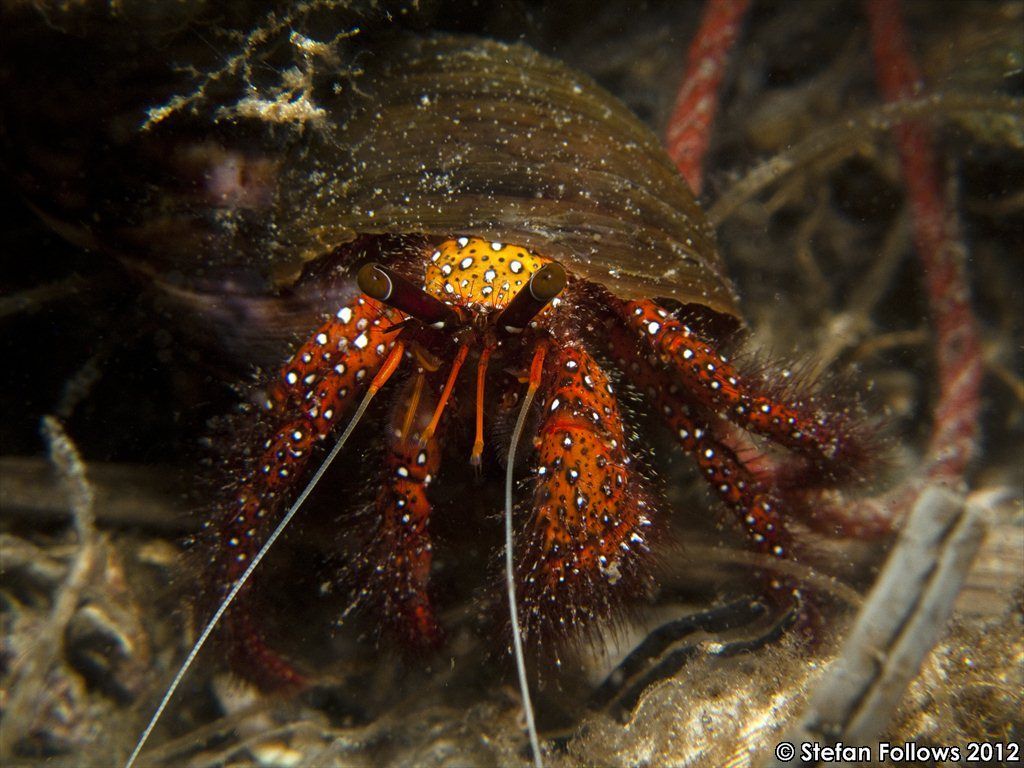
(345,315)
(516,266)
(466,263)
(361,341)
(435,256)
(402,472)
(555,403)
(497,246)
(291,377)
(463,242)
(653,327)
(321,339)
(489,275)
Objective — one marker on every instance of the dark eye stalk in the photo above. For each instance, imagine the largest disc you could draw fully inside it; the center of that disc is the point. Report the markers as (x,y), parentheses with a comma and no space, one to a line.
(545,284)
(384,285)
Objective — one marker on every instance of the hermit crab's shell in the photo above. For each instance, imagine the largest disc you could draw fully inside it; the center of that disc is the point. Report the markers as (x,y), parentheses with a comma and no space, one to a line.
(464,136)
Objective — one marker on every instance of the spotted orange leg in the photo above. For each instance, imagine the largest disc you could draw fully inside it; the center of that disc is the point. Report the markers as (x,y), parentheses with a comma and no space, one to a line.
(793,422)
(401,551)
(323,380)
(589,527)
(743,492)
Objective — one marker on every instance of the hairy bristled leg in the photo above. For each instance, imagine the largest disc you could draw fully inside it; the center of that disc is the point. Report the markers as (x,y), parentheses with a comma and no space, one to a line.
(319,384)
(829,440)
(828,446)
(745,495)
(398,557)
(586,540)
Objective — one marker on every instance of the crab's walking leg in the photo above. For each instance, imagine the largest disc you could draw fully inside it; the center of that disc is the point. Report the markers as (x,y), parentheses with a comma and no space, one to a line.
(753,505)
(324,379)
(587,537)
(402,548)
(796,423)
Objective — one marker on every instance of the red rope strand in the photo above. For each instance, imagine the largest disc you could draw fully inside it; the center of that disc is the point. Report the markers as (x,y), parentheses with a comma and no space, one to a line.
(689,128)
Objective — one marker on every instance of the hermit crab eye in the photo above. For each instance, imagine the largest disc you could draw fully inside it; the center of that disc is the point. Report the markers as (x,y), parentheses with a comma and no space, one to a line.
(384,285)
(545,284)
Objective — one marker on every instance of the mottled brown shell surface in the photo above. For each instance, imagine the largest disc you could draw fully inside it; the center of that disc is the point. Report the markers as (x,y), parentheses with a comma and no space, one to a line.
(454,135)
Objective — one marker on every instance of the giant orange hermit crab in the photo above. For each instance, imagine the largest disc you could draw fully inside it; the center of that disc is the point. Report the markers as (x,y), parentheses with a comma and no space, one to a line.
(510,247)
(556,290)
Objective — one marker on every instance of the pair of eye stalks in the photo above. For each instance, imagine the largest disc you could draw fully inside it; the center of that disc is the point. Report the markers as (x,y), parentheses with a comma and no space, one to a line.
(388,287)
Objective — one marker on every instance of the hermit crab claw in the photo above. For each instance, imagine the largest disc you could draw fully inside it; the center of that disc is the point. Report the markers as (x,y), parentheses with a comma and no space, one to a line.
(545,284)
(387,286)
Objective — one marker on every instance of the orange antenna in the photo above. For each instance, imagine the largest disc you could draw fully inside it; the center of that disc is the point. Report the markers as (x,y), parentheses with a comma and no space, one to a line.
(460,358)
(481,376)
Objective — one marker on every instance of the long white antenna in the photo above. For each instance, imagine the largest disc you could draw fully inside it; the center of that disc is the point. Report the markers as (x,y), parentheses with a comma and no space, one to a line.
(237,586)
(517,640)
